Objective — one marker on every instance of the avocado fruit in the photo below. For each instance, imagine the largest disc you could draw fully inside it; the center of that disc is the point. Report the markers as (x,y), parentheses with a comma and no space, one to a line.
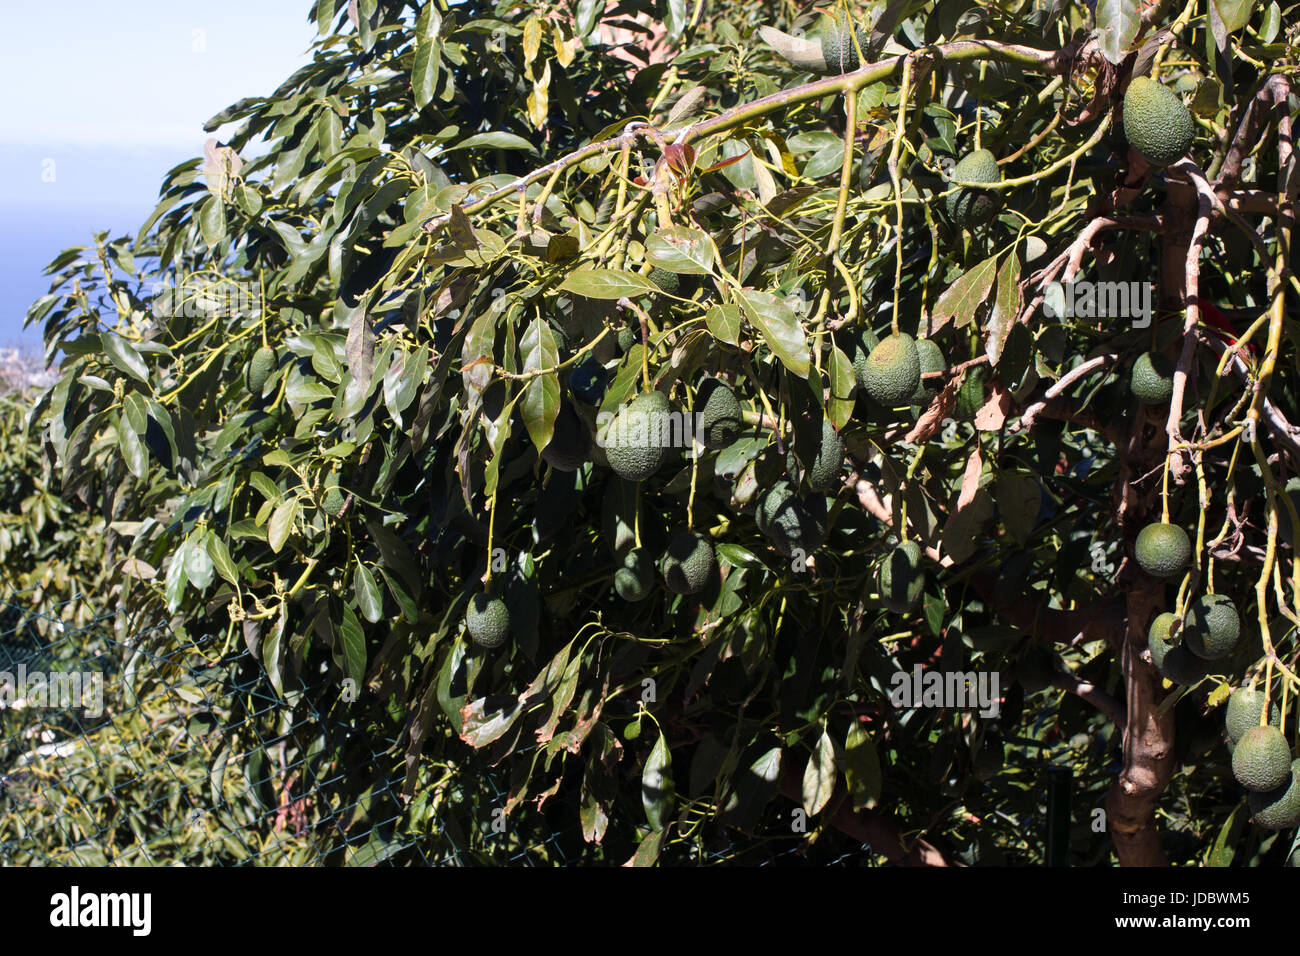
(790,522)
(1245,706)
(1279,809)
(570,443)
(1159,637)
(1181,666)
(636,443)
(635,579)
(900,578)
(893,370)
(718,418)
(588,381)
(838,47)
(1211,627)
(332,500)
(688,563)
(260,367)
(1036,669)
(1152,378)
(1162,549)
(968,206)
(824,472)
(1156,123)
(487,620)
(932,360)
(1262,760)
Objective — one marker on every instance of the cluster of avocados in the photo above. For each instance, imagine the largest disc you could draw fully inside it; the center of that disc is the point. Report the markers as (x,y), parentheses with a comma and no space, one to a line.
(1261,760)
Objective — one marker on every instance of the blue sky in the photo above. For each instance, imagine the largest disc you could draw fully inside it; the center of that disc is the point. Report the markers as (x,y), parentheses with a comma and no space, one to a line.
(101,99)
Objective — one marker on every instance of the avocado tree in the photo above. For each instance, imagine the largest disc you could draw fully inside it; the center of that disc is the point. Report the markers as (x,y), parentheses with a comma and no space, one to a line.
(672,410)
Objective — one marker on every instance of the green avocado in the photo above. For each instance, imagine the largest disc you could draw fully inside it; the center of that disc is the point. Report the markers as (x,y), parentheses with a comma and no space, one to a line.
(1159,637)
(637,440)
(487,620)
(332,501)
(1212,627)
(824,472)
(1262,760)
(932,360)
(1162,550)
(570,443)
(635,579)
(900,578)
(1245,706)
(1152,379)
(261,366)
(1183,667)
(791,523)
(893,370)
(1156,123)
(688,563)
(718,414)
(1279,809)
(969,207)
(838,48)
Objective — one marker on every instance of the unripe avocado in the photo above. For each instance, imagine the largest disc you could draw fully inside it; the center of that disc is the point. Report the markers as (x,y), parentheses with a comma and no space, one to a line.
(688,564)
(634,580)
(1278,809)
(570,443)
(260,368)
(1159,637)
(627,337)
(1262,760)
(862,343)
(1212,627)
(893,370)
(332,501)
(1153,378)
(1162,550)
(718,415)
(1183,667)
(824,472)
(588,380)
(969,207)
(1156,123)
(838,49)
(670,282)
(932,360)
(1245,705)
(636,442)
(487,620)
(900,579)
(791,523)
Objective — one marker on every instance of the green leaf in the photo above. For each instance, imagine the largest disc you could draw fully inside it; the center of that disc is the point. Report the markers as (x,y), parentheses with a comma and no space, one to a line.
(1225,844)
(221,559)
(353,645)
(281,524)
(1118,22)
(680,249)
(496,140)
(424,74)
(647,851)
(403,379)
(657,791)
(607,284)
(124,355)
(861,768)
(272,650)
(724,322)
(133,451)
(843,382)
(1019,499)
(1234,14)
(541,401)
(780,328)
(1006,308)
(819,776)
(961,299)
(369,600)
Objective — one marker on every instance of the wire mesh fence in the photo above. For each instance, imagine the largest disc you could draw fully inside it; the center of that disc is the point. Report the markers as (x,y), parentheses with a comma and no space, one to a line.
(120,746)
